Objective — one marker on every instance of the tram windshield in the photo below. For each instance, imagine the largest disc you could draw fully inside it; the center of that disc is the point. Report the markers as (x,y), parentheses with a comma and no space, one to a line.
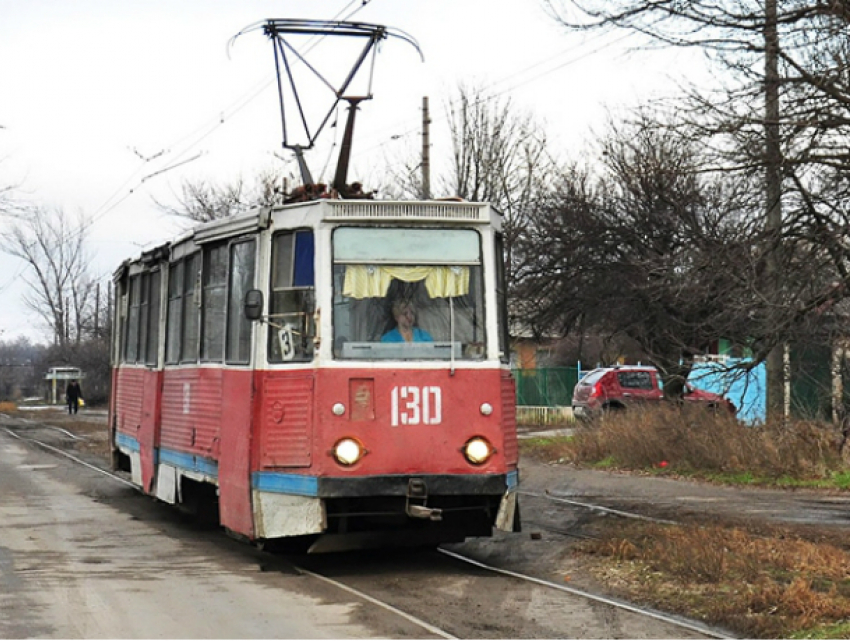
(408,294)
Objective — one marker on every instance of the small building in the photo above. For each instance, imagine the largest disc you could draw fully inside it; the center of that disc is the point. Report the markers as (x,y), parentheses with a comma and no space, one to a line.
(57,379)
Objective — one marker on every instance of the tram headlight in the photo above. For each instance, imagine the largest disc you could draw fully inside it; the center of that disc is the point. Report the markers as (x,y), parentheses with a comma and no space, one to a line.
(478,450)
(348,451)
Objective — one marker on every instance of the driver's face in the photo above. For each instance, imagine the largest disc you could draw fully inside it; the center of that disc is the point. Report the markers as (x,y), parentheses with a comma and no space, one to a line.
(405,317)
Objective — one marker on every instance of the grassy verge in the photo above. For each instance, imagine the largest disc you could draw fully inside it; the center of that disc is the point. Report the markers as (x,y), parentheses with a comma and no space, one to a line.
(760,581)
(695,443)
(774,585)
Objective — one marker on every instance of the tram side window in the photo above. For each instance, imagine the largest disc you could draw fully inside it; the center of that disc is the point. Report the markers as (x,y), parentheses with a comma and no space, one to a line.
(118,348)
(214,303)
(150,351)
(242,272)
(502,300)
(293,300)
(191,310)
(175,313)
(141,331)
(144,315)
(131,353)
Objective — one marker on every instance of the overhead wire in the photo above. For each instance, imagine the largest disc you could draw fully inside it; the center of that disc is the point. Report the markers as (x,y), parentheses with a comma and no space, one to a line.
(413,127)
(202,132)
(191,140)
(195,137)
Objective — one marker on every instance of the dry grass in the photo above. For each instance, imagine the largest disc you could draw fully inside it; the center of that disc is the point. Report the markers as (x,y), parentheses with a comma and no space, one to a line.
(760,581)
(760,586)
(691,440)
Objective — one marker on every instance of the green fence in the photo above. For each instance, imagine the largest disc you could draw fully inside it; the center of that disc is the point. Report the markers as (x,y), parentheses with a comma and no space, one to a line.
(547,387)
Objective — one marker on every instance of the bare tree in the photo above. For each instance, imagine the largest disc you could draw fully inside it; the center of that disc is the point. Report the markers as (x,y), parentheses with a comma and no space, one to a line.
(8,203)
(781,115)
(52,244)
(656,249)
(500,155)
(18,375)
(200,201)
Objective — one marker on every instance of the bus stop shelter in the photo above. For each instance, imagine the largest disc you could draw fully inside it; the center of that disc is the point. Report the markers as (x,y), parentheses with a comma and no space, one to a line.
(57,379)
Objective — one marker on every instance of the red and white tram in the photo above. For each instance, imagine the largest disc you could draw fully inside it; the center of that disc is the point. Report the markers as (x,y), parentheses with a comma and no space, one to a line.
(256,363)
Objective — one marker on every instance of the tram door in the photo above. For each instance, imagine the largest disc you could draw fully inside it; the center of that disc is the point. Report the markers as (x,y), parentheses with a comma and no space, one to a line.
(237,395)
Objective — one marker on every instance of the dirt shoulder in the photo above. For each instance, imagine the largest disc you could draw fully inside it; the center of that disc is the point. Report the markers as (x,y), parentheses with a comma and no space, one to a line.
(679,499)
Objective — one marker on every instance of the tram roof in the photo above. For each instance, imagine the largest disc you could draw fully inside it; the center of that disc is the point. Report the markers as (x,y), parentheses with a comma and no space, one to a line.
(324,210)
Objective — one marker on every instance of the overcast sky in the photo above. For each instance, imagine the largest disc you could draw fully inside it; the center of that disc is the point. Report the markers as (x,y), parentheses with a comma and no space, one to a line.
(108,104)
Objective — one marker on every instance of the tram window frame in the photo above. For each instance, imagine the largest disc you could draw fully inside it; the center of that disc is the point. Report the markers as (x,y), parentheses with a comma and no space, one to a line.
(191,321)
(392,264)
(117,352)
(144,315)
(216,266)
(238,329)
(151,351)
(131,341)
(141,323)
(174,319)
(502,299)
(292,297)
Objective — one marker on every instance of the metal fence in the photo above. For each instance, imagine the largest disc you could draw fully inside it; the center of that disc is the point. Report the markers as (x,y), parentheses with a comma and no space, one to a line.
(545,387)
(543,394)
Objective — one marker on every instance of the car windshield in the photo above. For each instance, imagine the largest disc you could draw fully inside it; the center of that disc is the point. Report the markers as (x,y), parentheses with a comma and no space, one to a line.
(592,377)
(408,294)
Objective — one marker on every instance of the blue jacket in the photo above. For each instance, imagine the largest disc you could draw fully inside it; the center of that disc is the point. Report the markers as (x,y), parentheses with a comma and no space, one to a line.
(419,336)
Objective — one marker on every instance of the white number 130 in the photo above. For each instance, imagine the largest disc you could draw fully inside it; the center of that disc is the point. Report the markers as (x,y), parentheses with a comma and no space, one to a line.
(417,405)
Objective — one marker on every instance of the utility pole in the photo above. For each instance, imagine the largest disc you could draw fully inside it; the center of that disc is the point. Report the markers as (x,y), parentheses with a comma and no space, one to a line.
(109,308)
(426,150)
(775,364)
(96,310)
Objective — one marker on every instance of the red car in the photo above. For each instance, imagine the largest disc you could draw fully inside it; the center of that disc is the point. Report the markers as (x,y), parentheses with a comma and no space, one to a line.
(616,388)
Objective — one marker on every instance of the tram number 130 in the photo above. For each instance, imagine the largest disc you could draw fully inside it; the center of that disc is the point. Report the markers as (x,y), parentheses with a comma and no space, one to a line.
(413,405)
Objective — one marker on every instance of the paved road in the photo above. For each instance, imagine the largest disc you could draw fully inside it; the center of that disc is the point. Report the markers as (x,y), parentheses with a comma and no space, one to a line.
(84,557)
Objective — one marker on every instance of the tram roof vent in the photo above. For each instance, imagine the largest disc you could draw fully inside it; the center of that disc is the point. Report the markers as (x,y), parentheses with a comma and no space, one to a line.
(415,210)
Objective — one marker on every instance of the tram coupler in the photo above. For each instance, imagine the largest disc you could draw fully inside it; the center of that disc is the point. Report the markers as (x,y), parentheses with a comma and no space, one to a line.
(418,491)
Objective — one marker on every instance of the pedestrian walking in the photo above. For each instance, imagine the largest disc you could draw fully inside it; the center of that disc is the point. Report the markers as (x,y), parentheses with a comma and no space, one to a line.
(73,394)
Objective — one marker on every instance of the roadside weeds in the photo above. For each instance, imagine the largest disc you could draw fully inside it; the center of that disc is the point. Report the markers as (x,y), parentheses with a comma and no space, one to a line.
(760,581)
(762,586)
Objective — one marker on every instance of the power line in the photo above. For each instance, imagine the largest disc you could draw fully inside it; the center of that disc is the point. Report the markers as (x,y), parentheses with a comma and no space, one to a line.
(205,130)
(202,132)
(412,128)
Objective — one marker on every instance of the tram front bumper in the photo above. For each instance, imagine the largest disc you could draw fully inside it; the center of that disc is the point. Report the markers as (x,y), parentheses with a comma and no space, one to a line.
(291,505)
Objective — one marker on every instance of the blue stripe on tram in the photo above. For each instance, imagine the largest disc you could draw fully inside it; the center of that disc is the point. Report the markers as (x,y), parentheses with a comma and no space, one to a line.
(285,483)
(191,462)
(127,442)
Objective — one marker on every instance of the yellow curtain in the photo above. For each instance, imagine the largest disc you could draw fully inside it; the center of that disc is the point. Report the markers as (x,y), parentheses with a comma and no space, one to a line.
(371,281)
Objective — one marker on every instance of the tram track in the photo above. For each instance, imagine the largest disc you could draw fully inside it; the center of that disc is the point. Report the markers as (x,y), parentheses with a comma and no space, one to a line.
(622,605)
(389,601)
(301,570)
(602,509)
